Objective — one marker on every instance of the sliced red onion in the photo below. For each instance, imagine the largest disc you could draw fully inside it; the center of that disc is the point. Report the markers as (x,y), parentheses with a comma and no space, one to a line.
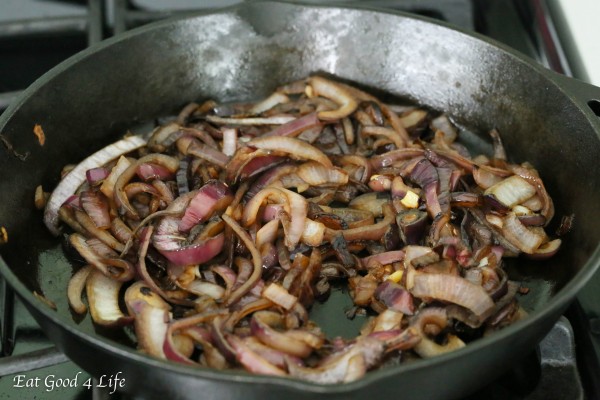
(120,230)
(256,261)
(336,92)
(388,320)
(110,265)
(274,120)
(278,340)
(259,164)
(294,204)
(270,175)
(519,235)
(546,250)
(532,177)
(380,183)
(395,297)
(412,225)
(210,198)
(95,176)
(296,127)
(181,177)
(75,288)
(296,148)
(511,191)
(456,290)
(315,174)
(388,159)
(140,293)
(313,234)
(152,318)
(273,100)
(427,347)
(69,184)
(278,295)
(484,178)
(386,258)
(74,201)
(335,369)
(272,211)
(96,206)
(419,256)
(275,357)
(466,199)
(388,133)
(161,134)
(362,289)
(251,360)
(442,123)
(371,202)
(108,184)
(120,195)
(372,232)
(151,325)
(532,220)
(103,298)
(193,254)
(203,288)
(178,350)
(150,171)
(86,222)
(207,153)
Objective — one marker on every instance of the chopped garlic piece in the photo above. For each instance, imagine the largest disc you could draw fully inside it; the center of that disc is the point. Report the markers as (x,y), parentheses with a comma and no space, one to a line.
(396,276)
(411,200)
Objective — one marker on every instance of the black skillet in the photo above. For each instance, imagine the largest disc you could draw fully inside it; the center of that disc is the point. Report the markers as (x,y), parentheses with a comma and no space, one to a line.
(244,52)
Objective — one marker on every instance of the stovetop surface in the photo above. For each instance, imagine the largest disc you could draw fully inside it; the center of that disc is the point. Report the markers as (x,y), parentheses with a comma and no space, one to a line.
(36,35)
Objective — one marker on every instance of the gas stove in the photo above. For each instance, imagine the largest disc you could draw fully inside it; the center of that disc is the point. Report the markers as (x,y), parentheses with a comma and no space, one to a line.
(35,35)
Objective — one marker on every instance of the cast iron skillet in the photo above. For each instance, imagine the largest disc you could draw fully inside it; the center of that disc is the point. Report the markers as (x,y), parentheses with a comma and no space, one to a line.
(245,52)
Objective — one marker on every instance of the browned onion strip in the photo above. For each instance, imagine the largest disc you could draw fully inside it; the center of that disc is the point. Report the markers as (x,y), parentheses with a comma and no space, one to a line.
(75,289)
(337,93)
(76,177)
(143,271)
(454,289)
(111,266)
(426,347)
(170,348)
(103,298)
(172,164)
(385,132)
(533,178)
(256,258)
(296,148)
(373,232)
(330,189)
(277,120)
(86,222)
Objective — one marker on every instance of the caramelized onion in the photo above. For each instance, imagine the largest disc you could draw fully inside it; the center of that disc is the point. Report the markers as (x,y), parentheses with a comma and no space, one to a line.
(236,217)
(75,288)
(73,179)
(454,289)
(103,298)
(296,148)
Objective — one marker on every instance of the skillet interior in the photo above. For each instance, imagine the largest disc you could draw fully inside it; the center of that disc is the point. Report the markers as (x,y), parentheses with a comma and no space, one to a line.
(92,99)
